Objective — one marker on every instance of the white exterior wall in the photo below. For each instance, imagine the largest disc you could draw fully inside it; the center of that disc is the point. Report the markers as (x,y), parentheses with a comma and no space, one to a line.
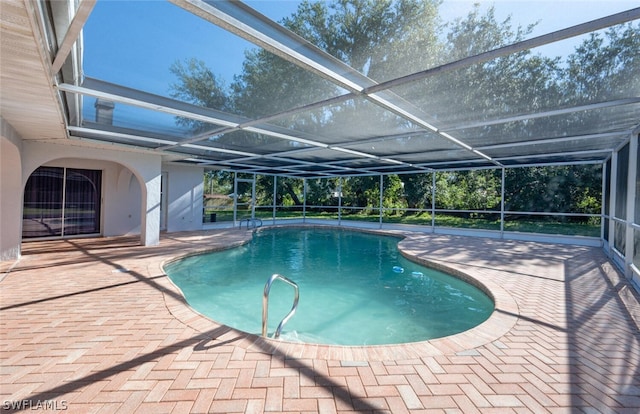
(10,192)
(131,184)
(122,202)
(184,197)
(130,188)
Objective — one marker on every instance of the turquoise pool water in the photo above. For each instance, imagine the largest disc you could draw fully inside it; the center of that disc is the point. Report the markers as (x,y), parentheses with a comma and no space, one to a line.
(355,289)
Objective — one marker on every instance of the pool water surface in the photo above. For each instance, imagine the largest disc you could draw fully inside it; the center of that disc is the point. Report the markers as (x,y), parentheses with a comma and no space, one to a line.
(355,289)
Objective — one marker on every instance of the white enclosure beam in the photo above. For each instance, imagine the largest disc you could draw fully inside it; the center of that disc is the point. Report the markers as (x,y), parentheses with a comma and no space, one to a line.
(73,32)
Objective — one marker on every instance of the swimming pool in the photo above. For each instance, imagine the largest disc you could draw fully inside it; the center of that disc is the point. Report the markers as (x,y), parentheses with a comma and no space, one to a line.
(355,289)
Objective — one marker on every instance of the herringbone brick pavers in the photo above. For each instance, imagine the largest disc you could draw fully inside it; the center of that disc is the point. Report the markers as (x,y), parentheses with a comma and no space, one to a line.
(94,325)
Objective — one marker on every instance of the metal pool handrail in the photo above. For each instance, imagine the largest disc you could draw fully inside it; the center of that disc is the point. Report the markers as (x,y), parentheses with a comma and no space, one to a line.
(265,303)
(255,222)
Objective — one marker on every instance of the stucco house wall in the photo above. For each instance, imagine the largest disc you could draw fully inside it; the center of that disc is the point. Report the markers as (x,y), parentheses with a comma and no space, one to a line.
(11,189)
(131,196)
(184,197)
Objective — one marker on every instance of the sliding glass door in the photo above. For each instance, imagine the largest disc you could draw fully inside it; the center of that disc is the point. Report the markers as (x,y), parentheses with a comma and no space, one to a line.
(62,202)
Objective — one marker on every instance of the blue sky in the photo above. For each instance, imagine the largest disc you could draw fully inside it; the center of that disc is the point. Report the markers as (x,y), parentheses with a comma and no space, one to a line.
(122,53)
(108,47)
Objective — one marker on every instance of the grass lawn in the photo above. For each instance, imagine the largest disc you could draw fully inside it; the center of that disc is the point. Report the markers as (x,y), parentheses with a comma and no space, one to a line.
(544,225)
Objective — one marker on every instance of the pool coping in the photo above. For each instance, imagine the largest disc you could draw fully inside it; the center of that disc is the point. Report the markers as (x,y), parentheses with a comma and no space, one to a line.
(501,320)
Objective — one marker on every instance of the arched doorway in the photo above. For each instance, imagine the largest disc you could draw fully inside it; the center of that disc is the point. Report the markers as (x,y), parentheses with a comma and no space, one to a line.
(60,201)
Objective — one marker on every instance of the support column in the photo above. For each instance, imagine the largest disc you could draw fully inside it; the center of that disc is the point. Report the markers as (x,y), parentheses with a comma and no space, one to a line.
(632,187)
(253,197)
(235,199)
(275,194)
(11,191)
(612,200)
(304,200)
(339,201)
(150,226)
(502,203)
(433,202)
(381,200)
(603,200)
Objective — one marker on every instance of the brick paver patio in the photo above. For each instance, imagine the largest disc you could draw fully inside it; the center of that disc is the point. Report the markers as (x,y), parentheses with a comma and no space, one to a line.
(94,326)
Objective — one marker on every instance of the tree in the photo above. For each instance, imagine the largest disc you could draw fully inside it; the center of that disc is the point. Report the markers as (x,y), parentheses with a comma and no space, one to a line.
(468,190)
(509,85)
(323,191)
(374,37)
(218,182)
(363,192)
(393,194)
(574,189)
(385,39)
(605,66)
(198,85)
(264,190)
(269,84)
(289,191)
(418,190)
(381,39)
